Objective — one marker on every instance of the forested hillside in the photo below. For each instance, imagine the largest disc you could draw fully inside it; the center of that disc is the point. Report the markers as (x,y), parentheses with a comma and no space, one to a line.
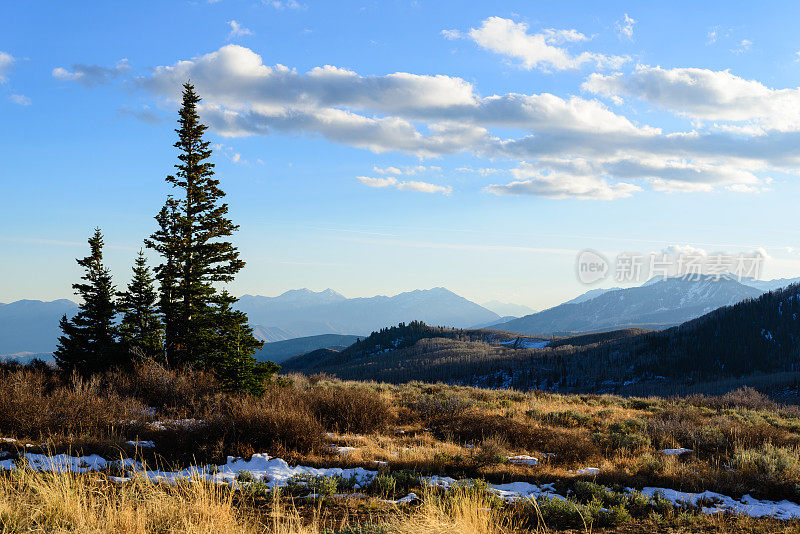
(755,337)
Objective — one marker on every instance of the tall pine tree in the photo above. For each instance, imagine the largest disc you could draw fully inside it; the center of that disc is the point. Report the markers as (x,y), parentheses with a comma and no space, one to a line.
(193,227)
(140,329)
(89,341)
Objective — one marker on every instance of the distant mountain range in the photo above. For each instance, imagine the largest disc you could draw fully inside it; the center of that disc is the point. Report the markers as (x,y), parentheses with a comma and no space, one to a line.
(508,309)
(308,313)
(32,325)
(657,304)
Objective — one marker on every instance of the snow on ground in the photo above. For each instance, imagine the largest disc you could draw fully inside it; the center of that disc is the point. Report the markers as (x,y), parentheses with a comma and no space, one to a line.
(339,449)
(524,490)
(526,343)
(272,471)
(522,460)
(64,463)
(142,444)
(588,471)
(714,503)
(275,472)
(676,452)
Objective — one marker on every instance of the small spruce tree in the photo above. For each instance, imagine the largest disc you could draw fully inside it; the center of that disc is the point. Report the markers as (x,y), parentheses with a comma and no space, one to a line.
(232,351)
(140,329)
(89,341)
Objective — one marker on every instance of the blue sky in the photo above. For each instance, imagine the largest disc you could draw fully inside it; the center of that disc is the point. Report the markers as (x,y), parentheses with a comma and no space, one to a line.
(473,146)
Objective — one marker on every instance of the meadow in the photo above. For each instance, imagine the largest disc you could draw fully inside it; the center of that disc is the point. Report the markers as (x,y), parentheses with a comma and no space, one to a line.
(438,458)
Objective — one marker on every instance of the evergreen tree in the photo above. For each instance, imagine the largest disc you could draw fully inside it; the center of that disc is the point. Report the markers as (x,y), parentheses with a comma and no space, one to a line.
(89,341)
(140,329)
(166,242)
(197,257)
(234,345)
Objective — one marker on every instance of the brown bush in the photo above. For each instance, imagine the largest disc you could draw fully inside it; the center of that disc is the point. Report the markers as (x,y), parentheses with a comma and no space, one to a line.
(34,408)
(277,423)
(358,410)
(744,397)
(475,427)
(183,393)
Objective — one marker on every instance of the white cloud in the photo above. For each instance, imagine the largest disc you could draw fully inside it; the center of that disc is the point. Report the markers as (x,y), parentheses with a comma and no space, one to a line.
(452,35)
(556,185)
(484,171)
(407,169)
(582,148)
(421,187)
(237,30)
(537,50)
(424,187)
(744,46)
(387,170)
(6,64)
(625,27)
(284,4)
(91,75)
(705,94)
(683,250)
(377,182)
(20,100)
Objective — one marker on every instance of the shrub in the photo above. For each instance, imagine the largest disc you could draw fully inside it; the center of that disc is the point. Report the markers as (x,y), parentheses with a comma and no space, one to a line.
(491,452)
(304,484)
(623,435)
(557,513)
(32,406)
(771,461)
(569,419)
(443,406)
(181,391)
(358,410)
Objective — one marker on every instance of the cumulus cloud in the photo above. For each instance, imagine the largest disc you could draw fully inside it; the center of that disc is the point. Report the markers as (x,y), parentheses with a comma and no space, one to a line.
(6,64)
(705,94)
(581,147)
(557,185)
(237,30)
(91,75)
(422,187)
(625,27)
(537,50)
(387,170)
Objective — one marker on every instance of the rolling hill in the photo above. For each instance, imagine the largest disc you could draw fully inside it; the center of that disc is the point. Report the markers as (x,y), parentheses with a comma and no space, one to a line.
(752,342)
(283,350)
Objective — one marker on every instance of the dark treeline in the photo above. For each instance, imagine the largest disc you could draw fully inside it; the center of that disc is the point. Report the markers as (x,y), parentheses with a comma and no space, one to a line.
(757,337)
(176,314)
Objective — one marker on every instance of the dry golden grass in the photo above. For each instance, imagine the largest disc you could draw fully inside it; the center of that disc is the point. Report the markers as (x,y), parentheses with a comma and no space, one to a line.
(742,441)
(63,502)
